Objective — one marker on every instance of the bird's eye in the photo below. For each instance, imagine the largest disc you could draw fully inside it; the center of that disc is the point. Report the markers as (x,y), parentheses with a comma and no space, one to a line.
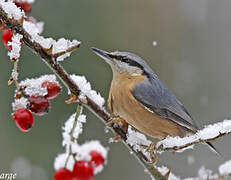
(126,60)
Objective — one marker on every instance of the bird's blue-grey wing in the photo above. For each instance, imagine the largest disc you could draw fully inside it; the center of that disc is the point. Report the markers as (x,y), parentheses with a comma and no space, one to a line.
(155,96)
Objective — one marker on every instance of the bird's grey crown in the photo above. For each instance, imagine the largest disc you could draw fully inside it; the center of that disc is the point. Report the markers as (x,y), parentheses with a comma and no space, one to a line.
(134,60)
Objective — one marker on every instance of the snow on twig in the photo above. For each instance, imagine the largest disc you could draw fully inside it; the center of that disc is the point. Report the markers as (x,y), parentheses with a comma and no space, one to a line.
(210,132)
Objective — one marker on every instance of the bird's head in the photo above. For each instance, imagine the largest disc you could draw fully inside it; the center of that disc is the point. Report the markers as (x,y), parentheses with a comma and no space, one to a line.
(124,62)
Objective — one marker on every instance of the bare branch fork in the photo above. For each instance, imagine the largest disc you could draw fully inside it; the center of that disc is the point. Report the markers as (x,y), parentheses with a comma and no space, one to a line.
(50,60)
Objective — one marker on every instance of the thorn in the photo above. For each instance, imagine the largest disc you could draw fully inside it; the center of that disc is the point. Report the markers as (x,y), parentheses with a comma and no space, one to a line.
(49,51)
(70,49)
(18,95)
(72,99)
(20,21)
(115,139)
(10,82)
(167,174)
(83,100)
(12,117)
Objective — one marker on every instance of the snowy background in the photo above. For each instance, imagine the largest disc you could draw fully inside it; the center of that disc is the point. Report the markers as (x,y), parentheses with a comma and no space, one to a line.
(187,43)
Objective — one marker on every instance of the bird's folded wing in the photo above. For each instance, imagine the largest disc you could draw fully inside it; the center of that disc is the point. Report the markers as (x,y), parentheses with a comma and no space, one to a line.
(155,96)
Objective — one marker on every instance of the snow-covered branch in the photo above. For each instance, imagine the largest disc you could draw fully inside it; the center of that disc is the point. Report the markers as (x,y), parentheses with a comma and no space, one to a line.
(207,134)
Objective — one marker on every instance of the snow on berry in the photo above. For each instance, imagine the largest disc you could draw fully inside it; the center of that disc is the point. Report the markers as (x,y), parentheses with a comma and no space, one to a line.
(25,6)
(12,10)
(60,161)
(86,90)
(96,158)
(34,85)
(38,104)
(83,153)
(53,89)
(19,103)
(83,170)
(64,159)
(63,174)
(23,119)
(28,1)
(15,46)
(6,38)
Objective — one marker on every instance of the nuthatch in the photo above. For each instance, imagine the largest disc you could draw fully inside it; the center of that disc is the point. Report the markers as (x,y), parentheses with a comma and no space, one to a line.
(140,99)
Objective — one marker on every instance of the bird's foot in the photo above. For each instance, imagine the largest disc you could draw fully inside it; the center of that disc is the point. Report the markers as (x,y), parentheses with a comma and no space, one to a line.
(117,122)
(152,154)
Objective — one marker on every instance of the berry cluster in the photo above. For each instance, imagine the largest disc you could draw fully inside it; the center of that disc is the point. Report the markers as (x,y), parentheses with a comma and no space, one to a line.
(7,34)
(83,170)
(37,104)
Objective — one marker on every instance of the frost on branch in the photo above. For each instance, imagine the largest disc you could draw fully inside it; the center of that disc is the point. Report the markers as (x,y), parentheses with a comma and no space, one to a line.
(60,49)
(12,10)
(86,90)
(70,132)
(137,140)
(225,168)
(164,170)
(210,132)
(62,45)
(16,46)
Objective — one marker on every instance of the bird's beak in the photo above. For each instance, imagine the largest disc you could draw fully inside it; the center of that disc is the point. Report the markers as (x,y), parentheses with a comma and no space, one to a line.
(103,54)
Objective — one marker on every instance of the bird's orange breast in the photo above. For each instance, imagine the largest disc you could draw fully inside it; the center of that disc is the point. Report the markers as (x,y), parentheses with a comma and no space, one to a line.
(122,103)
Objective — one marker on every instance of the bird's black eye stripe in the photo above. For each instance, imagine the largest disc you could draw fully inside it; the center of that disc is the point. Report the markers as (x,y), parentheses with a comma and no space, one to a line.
(124,59)
(128,61)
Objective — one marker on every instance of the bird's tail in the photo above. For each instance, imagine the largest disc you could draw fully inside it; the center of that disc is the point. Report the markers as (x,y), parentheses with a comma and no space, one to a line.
(212,147)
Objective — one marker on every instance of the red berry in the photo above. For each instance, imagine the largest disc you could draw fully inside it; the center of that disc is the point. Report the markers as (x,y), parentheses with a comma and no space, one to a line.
(23,119)
(38,104)
(23,5)
(96,158)
(7,37)
(83,171)
(63,174)
(53,89)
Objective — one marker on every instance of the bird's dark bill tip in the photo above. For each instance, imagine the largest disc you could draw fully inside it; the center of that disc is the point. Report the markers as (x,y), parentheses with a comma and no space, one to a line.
(100,52)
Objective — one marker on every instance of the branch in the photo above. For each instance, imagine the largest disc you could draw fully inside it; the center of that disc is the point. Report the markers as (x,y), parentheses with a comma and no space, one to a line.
(51,61)
(207,134)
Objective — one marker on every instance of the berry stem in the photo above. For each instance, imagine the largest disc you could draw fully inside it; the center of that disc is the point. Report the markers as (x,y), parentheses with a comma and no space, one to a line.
(14,75)
(78,112)
(79,109)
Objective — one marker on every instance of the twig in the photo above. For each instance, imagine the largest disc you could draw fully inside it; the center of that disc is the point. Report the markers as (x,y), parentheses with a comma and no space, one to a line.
(64,76)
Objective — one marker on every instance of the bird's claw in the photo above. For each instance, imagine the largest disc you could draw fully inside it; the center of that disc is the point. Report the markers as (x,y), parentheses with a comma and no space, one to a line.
(152,154)
(119,122)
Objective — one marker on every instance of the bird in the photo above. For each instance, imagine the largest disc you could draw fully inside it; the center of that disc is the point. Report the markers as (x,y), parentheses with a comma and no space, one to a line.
(137,97)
